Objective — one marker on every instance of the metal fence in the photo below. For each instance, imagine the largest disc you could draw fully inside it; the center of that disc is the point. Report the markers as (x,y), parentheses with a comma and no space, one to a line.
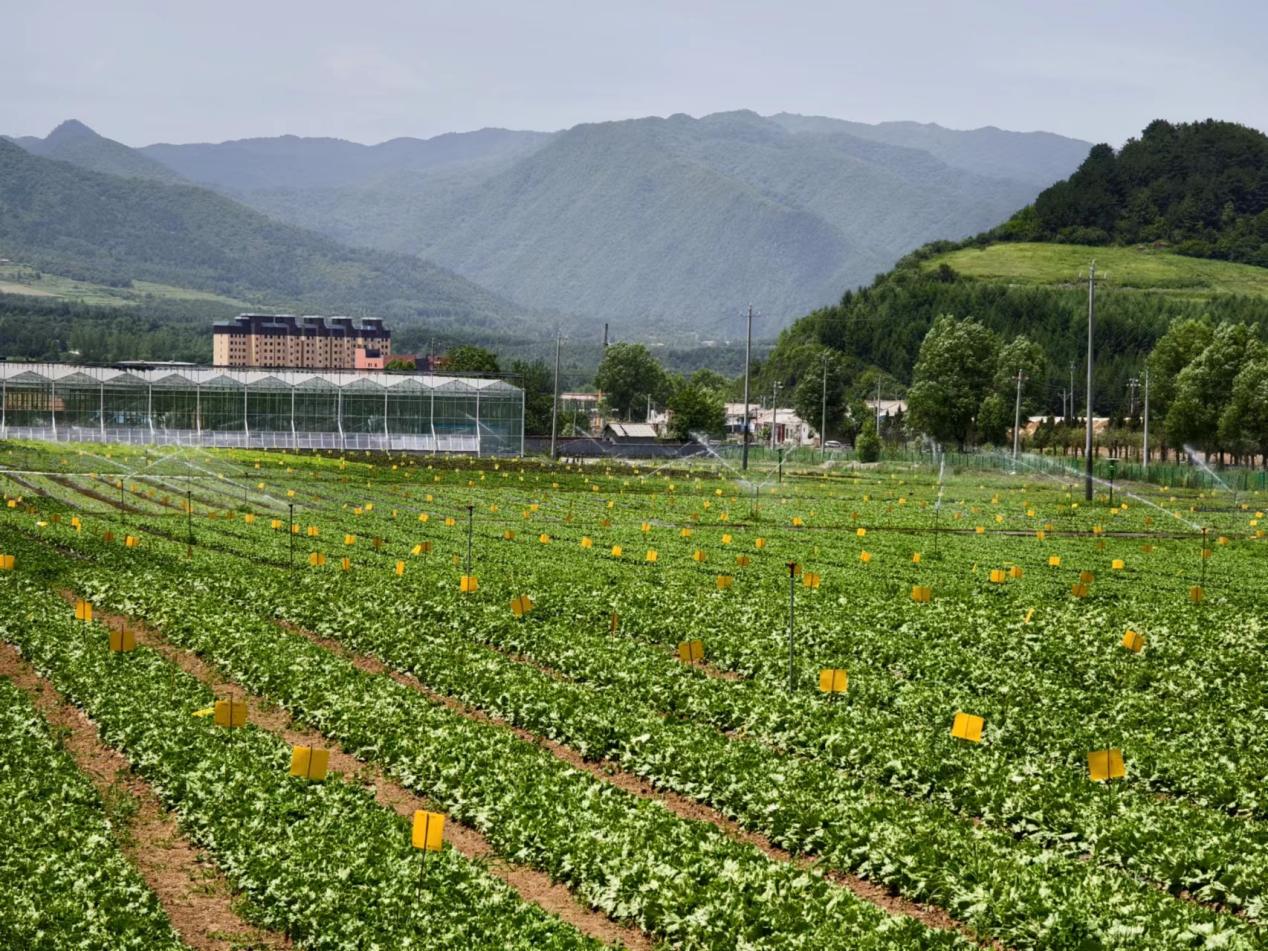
(261,409)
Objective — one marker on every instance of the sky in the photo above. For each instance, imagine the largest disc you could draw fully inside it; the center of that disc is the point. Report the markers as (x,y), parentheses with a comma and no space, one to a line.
(142,71)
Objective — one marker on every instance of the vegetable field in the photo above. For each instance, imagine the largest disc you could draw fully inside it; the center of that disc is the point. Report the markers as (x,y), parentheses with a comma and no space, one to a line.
(571,707)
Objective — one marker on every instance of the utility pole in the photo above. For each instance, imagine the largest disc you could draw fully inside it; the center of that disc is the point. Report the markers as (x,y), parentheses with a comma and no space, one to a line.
(554,405)
(1132,385)
(1071,415)
(1087,437)
(823,412)
(1063,412)
(748,362)
(1017,419)
(878,406)
(1144,455)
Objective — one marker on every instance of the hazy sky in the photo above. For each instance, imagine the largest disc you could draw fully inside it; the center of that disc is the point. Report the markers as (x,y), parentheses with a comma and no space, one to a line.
(185,71)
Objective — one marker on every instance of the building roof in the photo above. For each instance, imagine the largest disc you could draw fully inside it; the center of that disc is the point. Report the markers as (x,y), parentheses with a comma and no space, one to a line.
(24,373)
(631,430)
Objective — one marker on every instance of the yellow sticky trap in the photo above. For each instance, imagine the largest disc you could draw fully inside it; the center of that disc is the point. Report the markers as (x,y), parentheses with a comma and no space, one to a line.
(122,641)
(423,517)
(316,559)
(999,519)
(690,651)
(998,576)
(646,527)
(915,557)
(131,541)
(979,529)
(651,554)
(1030,613)
(6,562)
(811,579)
(797,521)
(1104,765)
(759,543)
(833,680)
(865,556)
(1197,594)
(107,537)
(726,539)
(1146,549)
(1041,534)
(544,538)
(1133,641)
(450,522)
(921,593)
(1098,530)
(429,831)
(521,605)
(1079,589)
(614,622)
(83,610)
(312,531)
(724,582)
(1015,571)
(75,523)
(616,551)
(1086,577)
(698,555)
(1206,553)
(967,727)
(1117,564)
(587,542)
(12,503)
(231,713)
(400,568)
(508,535)
(249,519)
(468,584)
(308,763)
(275,523)
(1054,561)
(349,539)
(685,533)
(345,564)
(861,532)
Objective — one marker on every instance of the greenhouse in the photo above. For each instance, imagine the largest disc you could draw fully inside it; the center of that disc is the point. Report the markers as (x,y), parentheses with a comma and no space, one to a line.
(268,409)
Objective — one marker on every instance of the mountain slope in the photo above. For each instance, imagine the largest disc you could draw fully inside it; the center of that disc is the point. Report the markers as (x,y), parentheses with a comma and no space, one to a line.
(658,223)
(113,230)
(74,142)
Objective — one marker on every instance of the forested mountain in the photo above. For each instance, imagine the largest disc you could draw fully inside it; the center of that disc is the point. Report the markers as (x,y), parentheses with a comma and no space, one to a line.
(1142,214)
(108,229)
(74,142)
(672,223)
(1201,188)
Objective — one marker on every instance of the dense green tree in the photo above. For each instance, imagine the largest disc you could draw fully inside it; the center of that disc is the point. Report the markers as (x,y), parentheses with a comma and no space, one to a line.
(1204,388)
(471,359)
(994,419)
(538,383)
(627,376)
(1244,422)
(1024,355)
(867,446)
(808,394)
(953,374)
(695,410)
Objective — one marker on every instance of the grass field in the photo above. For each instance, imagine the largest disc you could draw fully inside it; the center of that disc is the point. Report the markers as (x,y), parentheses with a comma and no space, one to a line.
(1131,268)
(593,675)
(20,279)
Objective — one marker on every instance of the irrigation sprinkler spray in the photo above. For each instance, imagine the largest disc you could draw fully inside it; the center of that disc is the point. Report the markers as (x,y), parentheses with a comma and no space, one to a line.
(290,530)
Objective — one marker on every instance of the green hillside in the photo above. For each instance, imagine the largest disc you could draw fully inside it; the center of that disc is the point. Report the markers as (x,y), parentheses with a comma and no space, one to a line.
(109,230)
(1036,264)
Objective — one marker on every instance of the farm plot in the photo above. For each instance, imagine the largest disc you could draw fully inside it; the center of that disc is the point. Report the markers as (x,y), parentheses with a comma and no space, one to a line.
(483,630)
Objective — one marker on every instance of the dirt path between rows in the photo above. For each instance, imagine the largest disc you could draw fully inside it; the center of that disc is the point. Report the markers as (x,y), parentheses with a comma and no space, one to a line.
(682,806)
(194,894)
(532,885)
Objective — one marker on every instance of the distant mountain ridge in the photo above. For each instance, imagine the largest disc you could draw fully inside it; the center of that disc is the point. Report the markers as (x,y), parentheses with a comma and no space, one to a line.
(60,217)
(74,142)
(666,226)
